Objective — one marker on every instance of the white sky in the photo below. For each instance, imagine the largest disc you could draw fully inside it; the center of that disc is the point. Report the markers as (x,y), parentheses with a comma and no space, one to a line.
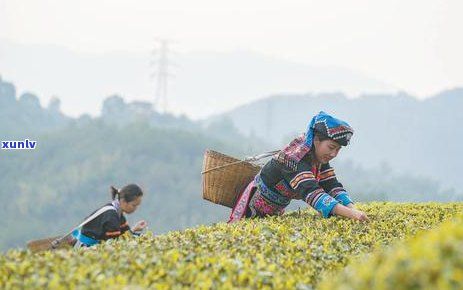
(415,45)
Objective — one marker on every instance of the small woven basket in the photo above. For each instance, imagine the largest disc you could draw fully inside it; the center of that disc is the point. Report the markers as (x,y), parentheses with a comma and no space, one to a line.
(224,177)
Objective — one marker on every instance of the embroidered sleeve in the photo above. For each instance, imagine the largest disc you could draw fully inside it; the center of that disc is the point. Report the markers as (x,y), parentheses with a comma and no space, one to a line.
(328,178)
(303,182)
(330,184)
(125,228)
(111,225)
(341,195)
(124,225)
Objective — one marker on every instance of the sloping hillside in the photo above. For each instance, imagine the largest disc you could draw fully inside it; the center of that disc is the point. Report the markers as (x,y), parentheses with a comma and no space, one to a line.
(293,251)
(431,260)
(409,135)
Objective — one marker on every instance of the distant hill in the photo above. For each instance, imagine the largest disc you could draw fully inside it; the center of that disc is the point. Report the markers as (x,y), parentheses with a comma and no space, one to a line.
(50,189)
(202,82)
(415,138)
(24,116)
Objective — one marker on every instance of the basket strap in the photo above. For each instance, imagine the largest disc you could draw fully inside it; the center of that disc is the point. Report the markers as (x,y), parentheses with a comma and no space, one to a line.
(260,156)
(105,208)
(247,159)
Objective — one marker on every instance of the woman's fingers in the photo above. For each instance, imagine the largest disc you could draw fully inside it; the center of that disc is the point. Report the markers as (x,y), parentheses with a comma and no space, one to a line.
(140,225)
(363,217)
(360,215)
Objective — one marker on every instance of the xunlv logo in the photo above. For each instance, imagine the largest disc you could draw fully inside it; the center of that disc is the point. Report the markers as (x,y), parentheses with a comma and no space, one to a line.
(26,144)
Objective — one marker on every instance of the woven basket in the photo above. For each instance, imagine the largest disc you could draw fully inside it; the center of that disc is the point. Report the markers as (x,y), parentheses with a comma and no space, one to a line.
(222,184)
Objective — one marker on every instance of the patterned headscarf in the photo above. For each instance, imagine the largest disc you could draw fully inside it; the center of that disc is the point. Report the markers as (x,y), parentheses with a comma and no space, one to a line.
(331,127)
(322,123)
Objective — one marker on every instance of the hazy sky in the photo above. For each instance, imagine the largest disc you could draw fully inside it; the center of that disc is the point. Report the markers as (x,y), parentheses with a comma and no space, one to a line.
(415,45)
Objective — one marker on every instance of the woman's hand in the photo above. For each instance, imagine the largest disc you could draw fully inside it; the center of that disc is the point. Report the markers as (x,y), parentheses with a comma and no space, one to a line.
(351,213)
(139,226)
(359,215)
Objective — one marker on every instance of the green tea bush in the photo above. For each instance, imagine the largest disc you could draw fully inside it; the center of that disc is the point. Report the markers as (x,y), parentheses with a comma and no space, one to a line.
(432,260)
(292,251)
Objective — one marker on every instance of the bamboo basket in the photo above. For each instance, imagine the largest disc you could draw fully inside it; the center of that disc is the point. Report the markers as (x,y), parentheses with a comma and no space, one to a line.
(47,244)
(224,177)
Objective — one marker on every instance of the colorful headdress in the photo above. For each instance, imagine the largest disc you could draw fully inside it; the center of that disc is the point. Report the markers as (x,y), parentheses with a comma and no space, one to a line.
(331,127)
(321,123)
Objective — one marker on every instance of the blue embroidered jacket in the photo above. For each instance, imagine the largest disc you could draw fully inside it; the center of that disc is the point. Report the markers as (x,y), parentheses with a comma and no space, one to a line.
(319,187)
